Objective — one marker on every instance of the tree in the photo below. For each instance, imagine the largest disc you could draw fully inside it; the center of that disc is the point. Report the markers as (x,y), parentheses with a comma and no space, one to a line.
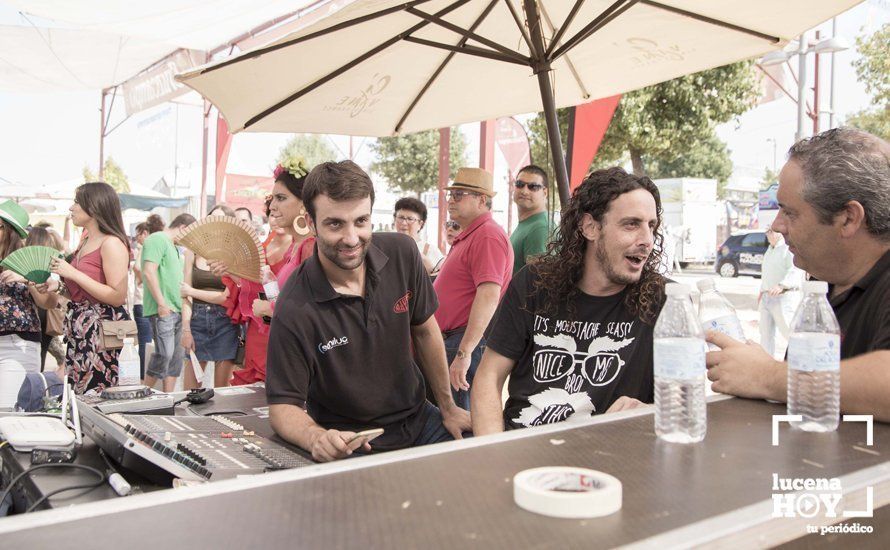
(708,158)
(410,163)
(872,71)
(113,175)
(311,147)
(769,178)
(875,121)
(674,117)
(539,141)
(667,121)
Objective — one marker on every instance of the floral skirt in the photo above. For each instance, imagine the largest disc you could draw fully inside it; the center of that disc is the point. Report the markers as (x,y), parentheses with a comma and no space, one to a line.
(87,367)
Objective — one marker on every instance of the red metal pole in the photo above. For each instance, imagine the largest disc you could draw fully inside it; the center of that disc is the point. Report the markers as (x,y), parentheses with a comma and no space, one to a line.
(486,145)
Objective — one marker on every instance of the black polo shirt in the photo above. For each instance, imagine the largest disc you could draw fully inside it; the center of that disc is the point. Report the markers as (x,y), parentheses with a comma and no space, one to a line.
(863,312)
(347,359)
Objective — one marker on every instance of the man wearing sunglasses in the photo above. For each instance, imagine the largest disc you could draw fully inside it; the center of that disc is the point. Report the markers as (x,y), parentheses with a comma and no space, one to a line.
(473,277)
(574,329)
(533,232)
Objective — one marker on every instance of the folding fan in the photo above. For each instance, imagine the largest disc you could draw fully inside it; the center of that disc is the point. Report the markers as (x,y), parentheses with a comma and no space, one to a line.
(229,240)
(32,262)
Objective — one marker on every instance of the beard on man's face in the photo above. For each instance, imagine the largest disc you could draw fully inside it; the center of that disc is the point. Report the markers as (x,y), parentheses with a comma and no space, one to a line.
(344,257)
(612,265)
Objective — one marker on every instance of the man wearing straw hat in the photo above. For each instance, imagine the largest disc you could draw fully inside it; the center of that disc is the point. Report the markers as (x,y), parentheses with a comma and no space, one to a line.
(473,277)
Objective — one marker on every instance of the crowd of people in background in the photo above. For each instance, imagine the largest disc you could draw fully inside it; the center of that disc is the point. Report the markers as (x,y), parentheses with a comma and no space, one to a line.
(387,330)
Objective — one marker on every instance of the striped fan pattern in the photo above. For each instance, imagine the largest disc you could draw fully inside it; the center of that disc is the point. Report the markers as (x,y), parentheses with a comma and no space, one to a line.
(32,262)
(229,240)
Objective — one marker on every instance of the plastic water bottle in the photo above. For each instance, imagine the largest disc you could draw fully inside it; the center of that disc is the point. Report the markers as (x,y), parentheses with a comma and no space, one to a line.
(716,313)
(679,364)
(270,283)
(814,362)
(128,364)
(270,288)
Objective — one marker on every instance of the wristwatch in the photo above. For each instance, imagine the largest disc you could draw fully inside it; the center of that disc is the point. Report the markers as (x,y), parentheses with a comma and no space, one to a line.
(461,354)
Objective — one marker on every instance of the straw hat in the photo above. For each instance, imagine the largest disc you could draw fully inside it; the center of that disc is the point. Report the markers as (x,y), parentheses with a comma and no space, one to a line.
(473,179)
(15,216)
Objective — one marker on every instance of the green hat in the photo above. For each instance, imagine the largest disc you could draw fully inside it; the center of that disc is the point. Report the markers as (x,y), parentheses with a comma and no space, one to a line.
(14,215)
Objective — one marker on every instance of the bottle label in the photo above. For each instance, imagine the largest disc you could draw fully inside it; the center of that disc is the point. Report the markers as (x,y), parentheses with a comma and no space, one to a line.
(271,290)
(812,352)
(679,358)
(728,325)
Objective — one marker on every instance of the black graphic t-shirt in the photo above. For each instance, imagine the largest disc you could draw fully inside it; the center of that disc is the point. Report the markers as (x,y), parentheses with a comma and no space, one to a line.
(569,367)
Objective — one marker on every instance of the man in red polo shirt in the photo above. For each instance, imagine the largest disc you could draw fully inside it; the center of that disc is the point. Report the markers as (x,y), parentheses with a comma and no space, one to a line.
(473,277)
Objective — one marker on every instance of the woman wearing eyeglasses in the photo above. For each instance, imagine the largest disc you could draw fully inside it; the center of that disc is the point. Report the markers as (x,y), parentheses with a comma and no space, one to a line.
(410,218)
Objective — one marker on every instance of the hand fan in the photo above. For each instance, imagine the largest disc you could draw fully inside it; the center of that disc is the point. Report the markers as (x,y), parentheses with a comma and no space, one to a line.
(32,262)
(229,240)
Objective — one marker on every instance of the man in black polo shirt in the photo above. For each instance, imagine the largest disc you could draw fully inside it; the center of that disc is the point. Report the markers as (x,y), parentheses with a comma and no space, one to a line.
(339,358)
(834,199)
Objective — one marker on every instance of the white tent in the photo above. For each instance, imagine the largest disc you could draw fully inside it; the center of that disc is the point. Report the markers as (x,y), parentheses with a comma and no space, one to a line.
(96,44)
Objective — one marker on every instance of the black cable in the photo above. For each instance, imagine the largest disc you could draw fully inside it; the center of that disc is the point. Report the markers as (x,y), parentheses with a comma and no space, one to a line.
(212,413)
(106,459)
(92,486)
(43,466)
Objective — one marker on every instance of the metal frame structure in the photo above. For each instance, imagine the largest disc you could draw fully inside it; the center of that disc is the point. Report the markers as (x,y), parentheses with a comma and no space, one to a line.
(540,59)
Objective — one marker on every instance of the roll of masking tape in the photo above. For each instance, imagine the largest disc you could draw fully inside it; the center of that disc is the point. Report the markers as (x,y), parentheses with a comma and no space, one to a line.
(563,492)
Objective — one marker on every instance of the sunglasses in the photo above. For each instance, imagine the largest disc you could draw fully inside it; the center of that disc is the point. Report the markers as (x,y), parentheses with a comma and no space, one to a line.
(456,196)
(454,226)
(407,219)
(519,184)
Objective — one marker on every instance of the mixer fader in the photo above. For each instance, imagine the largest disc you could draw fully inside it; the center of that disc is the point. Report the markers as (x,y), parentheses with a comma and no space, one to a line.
(214,447)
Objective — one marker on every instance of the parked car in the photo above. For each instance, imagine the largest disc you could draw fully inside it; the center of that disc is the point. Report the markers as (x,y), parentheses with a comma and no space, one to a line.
(741,254)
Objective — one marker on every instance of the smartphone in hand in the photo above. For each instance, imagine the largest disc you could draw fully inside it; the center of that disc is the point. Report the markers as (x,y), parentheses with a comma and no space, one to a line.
(363,437)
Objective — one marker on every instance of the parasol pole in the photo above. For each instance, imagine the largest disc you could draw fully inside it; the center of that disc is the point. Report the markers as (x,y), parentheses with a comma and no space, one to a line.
(542,71)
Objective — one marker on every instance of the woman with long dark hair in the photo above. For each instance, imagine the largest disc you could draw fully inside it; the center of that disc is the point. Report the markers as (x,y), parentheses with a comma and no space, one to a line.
(96,282)
(288,245)
(206,327)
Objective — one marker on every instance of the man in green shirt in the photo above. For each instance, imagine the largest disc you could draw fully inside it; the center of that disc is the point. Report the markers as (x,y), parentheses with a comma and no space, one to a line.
(532,234)
(162,271)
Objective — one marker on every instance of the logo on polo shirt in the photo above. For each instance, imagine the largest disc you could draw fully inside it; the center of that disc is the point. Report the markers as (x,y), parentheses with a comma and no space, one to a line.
(325,347)
(401,305)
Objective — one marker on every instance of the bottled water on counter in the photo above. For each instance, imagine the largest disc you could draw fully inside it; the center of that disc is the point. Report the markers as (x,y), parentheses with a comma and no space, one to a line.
(679,364)
(814,362)
(128,364)
(716,313)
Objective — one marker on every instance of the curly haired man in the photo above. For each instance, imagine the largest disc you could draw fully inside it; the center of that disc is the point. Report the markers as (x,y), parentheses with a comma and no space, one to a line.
(574,329)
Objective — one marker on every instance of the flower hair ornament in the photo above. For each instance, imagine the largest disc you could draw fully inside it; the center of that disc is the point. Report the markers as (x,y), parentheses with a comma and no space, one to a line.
(297,167)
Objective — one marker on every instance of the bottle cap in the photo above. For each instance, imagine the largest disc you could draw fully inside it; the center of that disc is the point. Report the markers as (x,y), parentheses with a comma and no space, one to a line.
(705,284)
(815,287)
(677,289)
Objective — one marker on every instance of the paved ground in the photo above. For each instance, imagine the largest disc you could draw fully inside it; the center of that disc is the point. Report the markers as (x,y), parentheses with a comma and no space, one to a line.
(742,293)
